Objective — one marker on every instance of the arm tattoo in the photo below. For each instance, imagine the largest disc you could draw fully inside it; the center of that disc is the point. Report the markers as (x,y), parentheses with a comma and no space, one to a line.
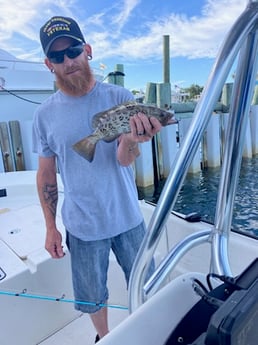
(50,197)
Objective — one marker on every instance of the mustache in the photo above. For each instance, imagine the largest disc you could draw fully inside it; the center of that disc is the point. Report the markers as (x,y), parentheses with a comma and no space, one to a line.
(72,68)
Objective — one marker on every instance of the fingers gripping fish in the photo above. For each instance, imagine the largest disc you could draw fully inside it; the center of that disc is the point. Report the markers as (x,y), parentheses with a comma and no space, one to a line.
(110,124)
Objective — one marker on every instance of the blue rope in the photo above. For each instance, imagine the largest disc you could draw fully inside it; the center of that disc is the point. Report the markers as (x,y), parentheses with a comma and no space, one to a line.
(61,299)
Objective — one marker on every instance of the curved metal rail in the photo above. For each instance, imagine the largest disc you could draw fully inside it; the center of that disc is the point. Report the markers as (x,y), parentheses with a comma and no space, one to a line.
(242,39)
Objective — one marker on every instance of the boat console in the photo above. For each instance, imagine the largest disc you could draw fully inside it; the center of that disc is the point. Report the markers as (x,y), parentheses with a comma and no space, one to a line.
(226,316)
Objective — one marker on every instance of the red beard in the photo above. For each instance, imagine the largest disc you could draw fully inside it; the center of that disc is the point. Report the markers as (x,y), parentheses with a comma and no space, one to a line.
(75,84)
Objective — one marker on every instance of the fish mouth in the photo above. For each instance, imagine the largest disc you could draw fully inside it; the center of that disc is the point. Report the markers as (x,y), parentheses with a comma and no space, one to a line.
(172,121)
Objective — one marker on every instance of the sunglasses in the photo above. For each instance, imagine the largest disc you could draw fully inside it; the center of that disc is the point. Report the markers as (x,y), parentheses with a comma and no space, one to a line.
(71,52)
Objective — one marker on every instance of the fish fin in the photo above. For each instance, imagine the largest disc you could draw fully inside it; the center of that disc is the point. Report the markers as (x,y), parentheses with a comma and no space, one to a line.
(86,147)
(111,138)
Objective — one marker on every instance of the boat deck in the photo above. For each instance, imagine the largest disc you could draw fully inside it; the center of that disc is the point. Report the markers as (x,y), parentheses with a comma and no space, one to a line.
(81,331)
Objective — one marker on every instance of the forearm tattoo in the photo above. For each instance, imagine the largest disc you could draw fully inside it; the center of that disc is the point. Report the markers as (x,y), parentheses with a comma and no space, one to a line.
(50,194)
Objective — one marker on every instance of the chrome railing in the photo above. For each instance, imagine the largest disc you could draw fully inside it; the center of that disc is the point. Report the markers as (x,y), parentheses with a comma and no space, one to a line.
(242,40)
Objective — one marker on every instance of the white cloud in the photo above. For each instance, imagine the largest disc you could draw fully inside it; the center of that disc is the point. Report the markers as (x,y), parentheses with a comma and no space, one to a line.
(19,23)
(117,32)
(127,8)
(191,37)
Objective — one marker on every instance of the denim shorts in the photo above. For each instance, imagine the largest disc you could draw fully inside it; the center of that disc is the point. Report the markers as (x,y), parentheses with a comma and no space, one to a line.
(90,260)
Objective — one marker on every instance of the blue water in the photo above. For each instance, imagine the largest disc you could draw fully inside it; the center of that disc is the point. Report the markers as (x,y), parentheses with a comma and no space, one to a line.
(199,194)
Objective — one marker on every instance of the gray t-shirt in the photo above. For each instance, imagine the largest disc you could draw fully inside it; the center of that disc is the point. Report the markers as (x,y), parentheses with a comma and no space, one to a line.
(100,198)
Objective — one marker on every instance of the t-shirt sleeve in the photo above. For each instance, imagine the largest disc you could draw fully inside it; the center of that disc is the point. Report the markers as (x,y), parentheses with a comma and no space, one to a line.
(39,138)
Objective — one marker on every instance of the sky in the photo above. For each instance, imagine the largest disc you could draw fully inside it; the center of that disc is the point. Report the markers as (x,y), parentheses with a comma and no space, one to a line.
(130,32)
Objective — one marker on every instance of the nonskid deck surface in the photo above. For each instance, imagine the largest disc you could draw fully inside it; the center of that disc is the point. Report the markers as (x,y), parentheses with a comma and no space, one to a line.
(81,331)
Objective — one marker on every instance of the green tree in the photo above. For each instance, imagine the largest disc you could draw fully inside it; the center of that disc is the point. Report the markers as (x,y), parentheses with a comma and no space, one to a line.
(194,91)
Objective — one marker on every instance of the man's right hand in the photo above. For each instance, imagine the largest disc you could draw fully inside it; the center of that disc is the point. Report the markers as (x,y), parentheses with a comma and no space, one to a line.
(53,244)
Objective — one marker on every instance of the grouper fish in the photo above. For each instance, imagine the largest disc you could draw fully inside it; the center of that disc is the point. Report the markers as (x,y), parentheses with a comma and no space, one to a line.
(110,124)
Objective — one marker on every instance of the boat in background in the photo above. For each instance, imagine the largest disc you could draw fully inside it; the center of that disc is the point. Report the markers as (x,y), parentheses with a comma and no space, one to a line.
(35,291)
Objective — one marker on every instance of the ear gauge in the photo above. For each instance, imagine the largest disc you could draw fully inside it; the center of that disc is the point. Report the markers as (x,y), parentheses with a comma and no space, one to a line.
(89,57)
(52,70)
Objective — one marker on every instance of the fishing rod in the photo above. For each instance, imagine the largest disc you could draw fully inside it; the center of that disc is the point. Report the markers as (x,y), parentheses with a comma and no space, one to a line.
(60,299)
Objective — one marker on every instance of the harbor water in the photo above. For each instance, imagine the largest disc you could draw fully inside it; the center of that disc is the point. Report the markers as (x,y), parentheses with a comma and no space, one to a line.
(199,194)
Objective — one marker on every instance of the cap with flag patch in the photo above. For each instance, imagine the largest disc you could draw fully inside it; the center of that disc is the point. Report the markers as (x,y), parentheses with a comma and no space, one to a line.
(57,27)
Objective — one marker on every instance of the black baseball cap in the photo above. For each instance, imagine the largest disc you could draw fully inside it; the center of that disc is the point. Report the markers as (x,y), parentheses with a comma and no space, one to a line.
(57,27)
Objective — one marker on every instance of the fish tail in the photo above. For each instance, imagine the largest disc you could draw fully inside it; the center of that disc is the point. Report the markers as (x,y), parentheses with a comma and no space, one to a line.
(86,147)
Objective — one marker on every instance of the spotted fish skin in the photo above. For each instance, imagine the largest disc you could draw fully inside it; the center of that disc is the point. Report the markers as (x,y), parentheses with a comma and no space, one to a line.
(110,124)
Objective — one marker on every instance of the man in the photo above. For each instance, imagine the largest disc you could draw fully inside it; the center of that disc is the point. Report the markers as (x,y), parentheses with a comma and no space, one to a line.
(100,210)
